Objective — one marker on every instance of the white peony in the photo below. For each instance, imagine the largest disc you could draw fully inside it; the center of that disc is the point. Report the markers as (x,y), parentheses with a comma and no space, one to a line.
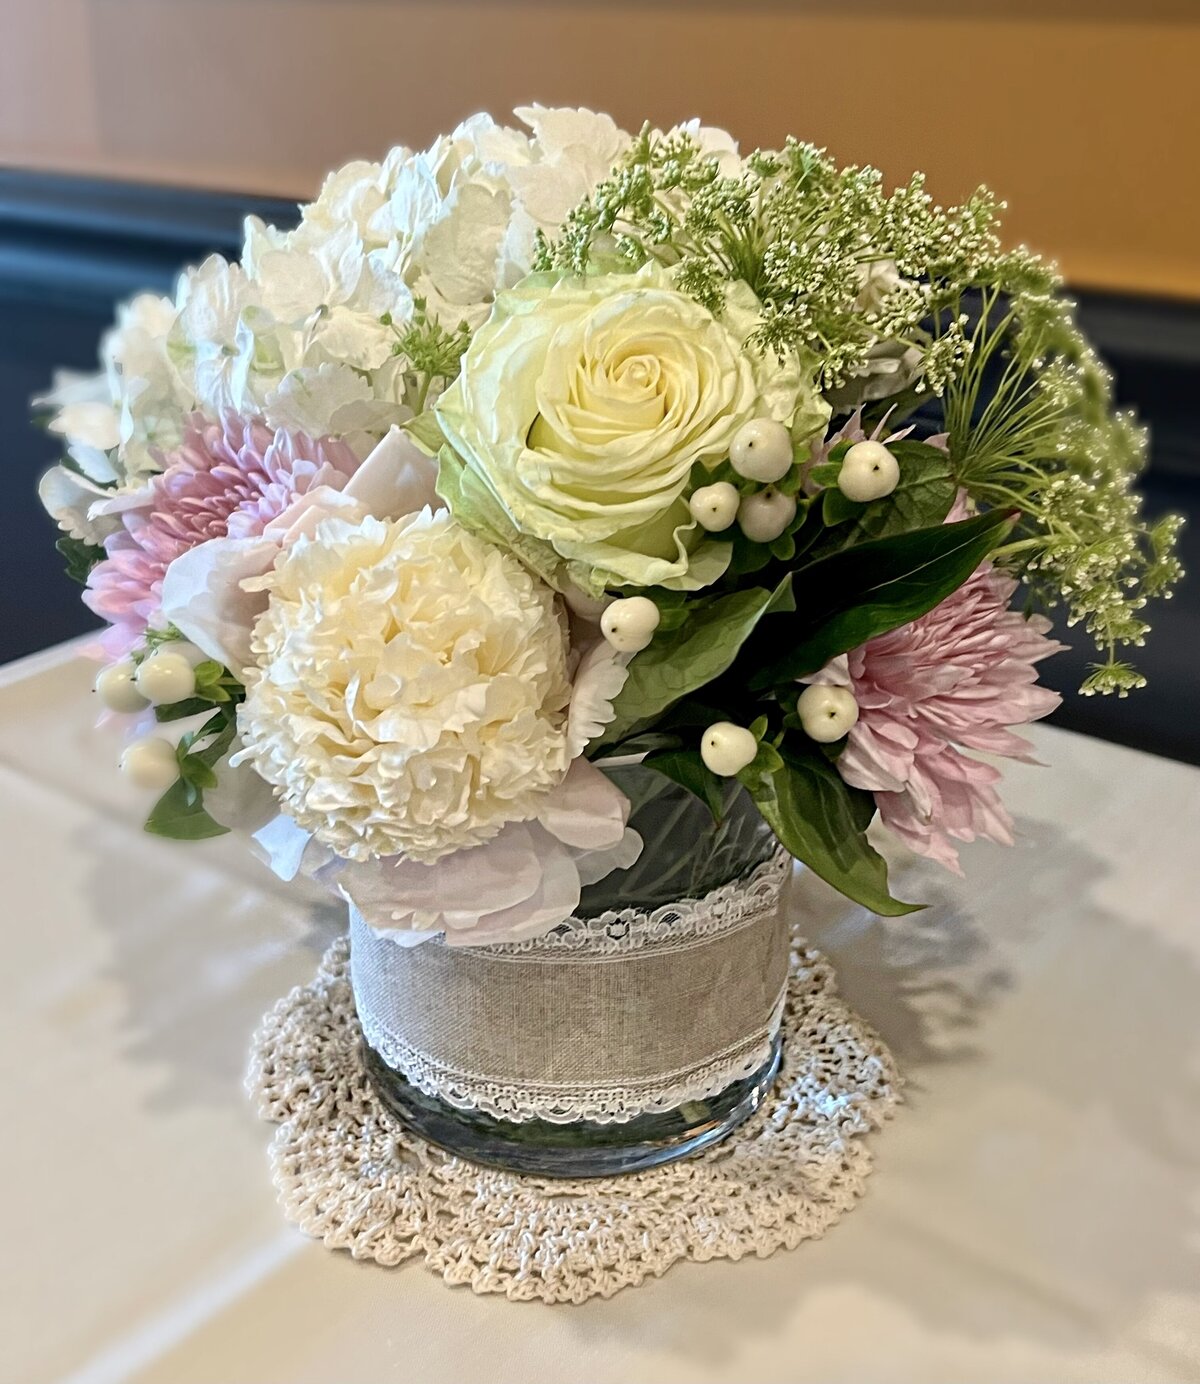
(411,693)
(523,882)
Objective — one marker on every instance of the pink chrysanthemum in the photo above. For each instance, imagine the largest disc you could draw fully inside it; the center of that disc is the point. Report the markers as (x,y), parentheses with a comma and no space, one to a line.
(226,479)
(955,679)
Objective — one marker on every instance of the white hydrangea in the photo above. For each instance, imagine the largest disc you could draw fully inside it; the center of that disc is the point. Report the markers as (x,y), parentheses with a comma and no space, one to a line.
(293,331)
(412,689)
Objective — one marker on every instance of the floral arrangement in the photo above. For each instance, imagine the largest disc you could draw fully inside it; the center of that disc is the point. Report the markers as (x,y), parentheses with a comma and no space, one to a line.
(549,448)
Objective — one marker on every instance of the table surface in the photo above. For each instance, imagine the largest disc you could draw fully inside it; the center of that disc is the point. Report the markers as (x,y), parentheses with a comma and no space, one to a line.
(1034,1214)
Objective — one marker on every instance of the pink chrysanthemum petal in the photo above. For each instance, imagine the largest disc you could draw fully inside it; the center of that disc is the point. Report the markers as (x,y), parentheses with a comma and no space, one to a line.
(225,479)
(956,679)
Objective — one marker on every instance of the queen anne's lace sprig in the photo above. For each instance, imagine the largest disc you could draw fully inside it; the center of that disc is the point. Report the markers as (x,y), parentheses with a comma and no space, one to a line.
(350,1176)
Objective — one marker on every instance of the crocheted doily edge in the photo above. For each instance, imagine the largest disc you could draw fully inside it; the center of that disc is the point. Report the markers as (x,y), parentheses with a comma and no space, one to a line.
(348,1174)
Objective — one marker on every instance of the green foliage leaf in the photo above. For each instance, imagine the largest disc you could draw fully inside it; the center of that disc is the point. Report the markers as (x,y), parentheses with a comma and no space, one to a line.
(923,498)
(822,821)
(837,509)
(825,474)
(80,557)
(680,661)
(193,770)
(640,744)
(215,735)
(686,768)
(854,595)
(209,674)
(180,815)
(179,711)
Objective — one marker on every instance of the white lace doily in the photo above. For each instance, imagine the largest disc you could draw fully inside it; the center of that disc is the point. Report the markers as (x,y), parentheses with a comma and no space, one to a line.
(350,1175)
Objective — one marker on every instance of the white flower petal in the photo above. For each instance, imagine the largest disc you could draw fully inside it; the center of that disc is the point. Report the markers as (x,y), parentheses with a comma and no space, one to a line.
(396,479)
(96,424)
(203,596)
(596,865)
(308,399)
(287,849)
(69,499)
(553,902)
(241,801)
(586,810)
(393,891)
(599,678)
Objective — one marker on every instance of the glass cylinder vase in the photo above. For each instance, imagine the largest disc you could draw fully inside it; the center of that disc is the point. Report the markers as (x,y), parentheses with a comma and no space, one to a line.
(642,1029)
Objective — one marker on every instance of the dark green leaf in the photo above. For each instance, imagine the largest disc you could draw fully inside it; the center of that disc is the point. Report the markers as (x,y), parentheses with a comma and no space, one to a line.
(691,712)
(643,744)
(180,815)
(837,509)
(681,661)
(825,474)
(852,596)
(686,768)
(80,557)
(217,733)
(214,738)
(194,771)
(822,822)
(178,711)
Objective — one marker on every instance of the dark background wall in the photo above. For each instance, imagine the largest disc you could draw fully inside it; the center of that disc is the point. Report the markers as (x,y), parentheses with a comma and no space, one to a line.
(71,248)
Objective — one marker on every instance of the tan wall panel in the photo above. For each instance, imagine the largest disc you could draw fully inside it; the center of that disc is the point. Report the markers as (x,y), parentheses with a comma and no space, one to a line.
(1086,120)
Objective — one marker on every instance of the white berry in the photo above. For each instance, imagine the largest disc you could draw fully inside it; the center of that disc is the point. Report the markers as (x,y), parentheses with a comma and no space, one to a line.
(765,515)
(151,763)
(727,748)
(166,677)
(869,472)
(629,624)
(714,507)
(826,713)
(117,690)
(761,450)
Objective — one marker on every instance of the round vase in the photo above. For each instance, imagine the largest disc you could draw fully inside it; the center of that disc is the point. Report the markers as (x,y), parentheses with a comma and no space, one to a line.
(641,1030)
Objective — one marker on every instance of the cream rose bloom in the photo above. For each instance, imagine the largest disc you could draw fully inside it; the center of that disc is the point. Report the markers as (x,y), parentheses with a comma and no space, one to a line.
(411,696)
(582,407)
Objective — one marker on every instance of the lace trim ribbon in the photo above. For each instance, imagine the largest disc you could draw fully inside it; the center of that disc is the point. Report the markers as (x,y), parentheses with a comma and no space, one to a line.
(620,1015)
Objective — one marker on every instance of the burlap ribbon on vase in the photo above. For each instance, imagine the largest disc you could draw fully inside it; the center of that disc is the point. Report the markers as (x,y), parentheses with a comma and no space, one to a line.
(604,1019)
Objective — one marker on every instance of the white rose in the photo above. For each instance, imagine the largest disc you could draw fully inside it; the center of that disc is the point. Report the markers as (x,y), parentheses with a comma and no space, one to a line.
(583,405)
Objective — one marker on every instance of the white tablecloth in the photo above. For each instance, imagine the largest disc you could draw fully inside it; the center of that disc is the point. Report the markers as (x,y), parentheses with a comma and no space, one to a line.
(1034,1216)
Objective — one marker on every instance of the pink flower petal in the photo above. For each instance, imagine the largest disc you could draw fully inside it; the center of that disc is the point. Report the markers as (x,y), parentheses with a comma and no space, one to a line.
(956,679)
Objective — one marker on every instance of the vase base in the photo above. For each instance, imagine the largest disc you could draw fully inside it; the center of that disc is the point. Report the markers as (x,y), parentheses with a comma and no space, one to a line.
(579,1150)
